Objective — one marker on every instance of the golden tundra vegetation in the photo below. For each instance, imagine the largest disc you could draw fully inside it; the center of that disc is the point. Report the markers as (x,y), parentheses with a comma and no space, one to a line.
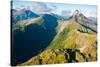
(73,43)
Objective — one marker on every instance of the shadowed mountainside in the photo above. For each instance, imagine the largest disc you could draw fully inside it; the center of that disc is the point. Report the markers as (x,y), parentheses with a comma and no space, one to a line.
(32,36)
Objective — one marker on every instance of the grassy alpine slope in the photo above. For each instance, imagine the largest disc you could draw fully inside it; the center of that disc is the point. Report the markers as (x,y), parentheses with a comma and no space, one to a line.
(23,23)
(73,43)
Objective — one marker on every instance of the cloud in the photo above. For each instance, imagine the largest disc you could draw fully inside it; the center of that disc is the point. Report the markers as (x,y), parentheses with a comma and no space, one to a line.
(66,12)
(40,7)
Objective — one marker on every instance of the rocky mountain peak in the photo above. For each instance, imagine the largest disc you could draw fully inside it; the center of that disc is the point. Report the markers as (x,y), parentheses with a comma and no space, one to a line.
(76,13)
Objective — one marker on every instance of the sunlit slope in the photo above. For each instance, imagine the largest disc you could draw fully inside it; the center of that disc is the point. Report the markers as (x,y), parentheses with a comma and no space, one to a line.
(22,24)
(72,35)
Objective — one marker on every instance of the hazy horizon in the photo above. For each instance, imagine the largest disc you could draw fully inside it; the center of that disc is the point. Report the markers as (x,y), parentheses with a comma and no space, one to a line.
(57,8)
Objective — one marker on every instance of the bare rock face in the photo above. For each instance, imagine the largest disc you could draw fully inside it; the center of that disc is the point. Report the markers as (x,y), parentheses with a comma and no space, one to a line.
(76,13)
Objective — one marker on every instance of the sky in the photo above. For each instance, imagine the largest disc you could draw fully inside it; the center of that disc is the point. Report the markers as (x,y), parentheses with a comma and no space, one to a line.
(58,8)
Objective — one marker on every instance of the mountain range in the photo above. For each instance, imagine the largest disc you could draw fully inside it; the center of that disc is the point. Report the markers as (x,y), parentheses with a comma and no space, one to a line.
(50,38)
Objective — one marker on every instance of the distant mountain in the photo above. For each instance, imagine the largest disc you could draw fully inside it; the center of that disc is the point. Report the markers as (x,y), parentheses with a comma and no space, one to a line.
(23,14)
(93,19)
(46,21)
(59,17)
(21,25)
